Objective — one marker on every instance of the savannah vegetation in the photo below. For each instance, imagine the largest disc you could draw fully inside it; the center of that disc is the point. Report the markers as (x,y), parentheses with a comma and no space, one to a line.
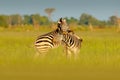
(99,58)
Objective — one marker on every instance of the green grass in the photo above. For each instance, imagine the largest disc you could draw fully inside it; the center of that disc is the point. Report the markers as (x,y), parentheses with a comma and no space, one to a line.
(99,57)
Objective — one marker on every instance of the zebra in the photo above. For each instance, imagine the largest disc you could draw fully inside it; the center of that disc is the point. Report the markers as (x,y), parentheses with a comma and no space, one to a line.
(70,40)
(61,36)
(72,44)
(48,41)
(52,39)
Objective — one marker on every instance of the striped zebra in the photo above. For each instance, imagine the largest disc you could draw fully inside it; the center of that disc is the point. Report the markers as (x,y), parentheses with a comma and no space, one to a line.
(52,39)
(49,40)
(72,44)
(70,41)
(61,36)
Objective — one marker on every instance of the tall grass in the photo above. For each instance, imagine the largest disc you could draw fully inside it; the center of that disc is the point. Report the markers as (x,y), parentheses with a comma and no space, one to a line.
(100,52)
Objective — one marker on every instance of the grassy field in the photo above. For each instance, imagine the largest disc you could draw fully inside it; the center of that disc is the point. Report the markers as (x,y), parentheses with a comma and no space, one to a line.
(99,58)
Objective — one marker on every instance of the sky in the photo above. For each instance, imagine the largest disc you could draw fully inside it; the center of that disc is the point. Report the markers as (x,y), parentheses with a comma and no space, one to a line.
(100,9)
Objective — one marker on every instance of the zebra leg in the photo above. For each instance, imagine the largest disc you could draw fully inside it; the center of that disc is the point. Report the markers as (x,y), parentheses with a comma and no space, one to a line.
(66,50)
(68,53)
(39,54)
(76,52)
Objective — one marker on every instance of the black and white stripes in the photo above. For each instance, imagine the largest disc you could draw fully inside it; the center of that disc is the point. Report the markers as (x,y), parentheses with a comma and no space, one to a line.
(72,44)
(44,42)
(61,36)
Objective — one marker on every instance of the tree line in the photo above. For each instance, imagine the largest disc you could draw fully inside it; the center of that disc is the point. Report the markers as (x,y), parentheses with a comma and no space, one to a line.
(18,20)
(37,20)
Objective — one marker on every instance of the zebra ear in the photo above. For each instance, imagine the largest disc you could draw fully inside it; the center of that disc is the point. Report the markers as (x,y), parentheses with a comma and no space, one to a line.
(61,20)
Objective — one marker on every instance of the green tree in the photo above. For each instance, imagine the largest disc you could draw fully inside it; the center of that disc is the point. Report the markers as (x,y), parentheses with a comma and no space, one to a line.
(27,19)
(16,19)
(44,20)
(86,19)
(35,19)
(71,20)
(113,20)
(3,21)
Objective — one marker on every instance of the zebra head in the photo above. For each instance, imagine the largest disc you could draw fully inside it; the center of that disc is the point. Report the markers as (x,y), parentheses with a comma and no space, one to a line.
(62,24)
